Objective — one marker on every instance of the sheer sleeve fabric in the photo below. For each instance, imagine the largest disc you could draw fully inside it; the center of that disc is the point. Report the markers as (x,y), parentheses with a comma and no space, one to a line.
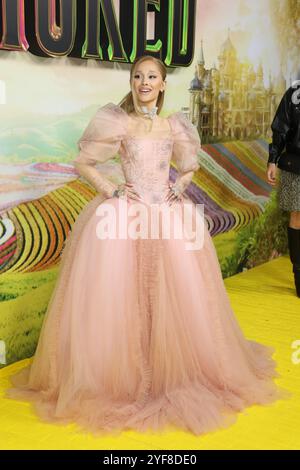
(186,145)
(100,141)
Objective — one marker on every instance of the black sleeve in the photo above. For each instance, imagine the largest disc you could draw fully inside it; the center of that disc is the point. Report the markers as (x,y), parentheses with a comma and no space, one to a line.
(280,126)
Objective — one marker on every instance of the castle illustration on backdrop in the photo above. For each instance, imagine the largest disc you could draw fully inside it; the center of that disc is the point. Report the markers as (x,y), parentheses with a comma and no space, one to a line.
(232,102)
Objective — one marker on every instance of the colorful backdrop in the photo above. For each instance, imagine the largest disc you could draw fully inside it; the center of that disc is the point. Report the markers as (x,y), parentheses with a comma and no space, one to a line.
(245,57)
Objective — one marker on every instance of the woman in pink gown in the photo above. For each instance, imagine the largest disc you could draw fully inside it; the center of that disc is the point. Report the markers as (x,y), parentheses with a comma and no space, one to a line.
(139,332)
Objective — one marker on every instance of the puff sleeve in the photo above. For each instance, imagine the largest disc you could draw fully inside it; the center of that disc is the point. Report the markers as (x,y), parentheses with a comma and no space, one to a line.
(186,143)
(186,147)
(100,141)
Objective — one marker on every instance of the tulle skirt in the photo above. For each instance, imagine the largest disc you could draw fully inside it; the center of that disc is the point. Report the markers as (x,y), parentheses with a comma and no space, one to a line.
(139,334)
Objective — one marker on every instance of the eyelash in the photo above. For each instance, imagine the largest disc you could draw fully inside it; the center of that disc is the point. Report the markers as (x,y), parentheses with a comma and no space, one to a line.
(149,75)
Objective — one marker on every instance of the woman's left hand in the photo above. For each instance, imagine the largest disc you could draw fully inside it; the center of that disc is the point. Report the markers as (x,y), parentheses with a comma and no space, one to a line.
(172,197)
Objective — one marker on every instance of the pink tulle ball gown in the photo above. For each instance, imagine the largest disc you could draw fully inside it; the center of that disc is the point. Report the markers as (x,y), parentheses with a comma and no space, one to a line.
(139,332)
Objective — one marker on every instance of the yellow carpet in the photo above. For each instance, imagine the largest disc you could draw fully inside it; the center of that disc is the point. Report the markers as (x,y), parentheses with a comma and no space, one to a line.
(268,311)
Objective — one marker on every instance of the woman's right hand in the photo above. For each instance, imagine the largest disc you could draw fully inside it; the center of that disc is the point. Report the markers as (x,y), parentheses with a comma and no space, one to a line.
(129,191)
(271,174)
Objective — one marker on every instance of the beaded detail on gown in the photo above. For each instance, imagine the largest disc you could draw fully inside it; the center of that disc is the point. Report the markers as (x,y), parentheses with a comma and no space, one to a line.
(139,333)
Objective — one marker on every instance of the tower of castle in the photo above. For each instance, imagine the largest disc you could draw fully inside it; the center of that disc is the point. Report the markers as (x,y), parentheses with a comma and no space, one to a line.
(231,101)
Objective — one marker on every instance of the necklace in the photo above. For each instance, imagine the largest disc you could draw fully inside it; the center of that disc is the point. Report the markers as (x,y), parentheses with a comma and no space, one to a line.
(144,112)
(150,113)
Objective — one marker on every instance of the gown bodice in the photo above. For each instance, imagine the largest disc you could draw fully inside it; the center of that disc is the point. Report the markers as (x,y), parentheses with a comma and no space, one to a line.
(146,149)
(146,163)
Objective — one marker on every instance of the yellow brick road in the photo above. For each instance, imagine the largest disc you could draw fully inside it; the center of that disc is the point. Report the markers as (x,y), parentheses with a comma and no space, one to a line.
(268,311)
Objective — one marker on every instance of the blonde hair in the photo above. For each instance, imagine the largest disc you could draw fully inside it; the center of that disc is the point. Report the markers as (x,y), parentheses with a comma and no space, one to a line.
(129,102)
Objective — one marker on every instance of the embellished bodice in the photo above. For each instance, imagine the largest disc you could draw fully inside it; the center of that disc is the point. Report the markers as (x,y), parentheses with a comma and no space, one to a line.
(145,148)
(146,164)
